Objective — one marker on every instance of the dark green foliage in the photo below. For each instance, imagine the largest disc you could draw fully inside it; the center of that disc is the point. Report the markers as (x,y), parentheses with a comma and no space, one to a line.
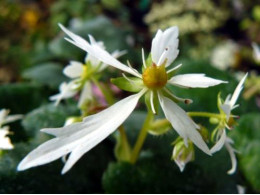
(47,116)
(156,173)
(247,141)
(22,97)
(85,177)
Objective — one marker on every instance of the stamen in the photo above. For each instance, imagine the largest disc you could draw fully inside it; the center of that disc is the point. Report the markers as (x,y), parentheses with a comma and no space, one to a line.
(162,56)
(130,80)
(128,63)
(151,102)
(173,69)
(186,101)
(143,58)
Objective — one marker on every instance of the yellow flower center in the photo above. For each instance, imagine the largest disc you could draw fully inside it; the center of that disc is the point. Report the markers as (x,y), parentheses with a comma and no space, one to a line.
(85,73)
(155,77)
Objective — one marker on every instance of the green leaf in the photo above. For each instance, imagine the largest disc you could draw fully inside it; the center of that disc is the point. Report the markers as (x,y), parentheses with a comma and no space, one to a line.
(47,74)
(247,141)
(84,177)
(159,127)
(134,85)
(122,148)
(22,97)
(47,116)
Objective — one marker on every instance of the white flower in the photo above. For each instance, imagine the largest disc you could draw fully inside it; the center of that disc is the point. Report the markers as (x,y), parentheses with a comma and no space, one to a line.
(80,73)
(223,56)
(4,118)
(5,142)
(79,138)
(256,52)
(67,90)
(182,154)
(225,110)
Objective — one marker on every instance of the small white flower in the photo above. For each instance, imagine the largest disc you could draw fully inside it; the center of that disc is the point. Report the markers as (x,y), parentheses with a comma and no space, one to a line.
(223,56)
(67,90)
(4,118)
(80,74)
(182,154)
(225,110)
(256,52)
(5,142)
(79,138)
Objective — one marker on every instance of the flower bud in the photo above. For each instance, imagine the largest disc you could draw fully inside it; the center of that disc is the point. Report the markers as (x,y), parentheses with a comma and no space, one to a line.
(182,154)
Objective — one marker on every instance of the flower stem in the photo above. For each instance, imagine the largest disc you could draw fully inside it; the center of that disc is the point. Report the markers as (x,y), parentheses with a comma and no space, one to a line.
(107,94)
(204,114)
(141,138)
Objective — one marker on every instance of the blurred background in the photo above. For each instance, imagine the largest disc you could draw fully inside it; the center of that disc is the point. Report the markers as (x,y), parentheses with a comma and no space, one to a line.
(216,38)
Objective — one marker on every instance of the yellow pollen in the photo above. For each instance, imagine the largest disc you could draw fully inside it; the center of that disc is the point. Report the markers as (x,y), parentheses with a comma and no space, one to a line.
(155,77)
(84,74)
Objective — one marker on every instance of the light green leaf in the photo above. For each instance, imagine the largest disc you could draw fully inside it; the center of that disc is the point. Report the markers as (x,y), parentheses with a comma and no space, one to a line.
(159,127)
(133,84)
(122,148)
(48,74)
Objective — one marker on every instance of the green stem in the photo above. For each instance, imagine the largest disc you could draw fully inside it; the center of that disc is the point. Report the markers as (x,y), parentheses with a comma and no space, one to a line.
(141,138)
(204,114)
(110,100)
(108,96)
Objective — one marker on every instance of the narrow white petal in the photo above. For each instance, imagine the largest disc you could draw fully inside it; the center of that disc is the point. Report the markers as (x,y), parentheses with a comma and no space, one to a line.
(231,152)
(174,68)
(115,54)
(162,40)
(97,52)
(226,109)
(241,189)
(12,118)
(256,53)
(73,70)
(220,143)
(90,132)
(237,91)
(105,131)
(3,114)
(143,58)
(180,164)
(182,123)
(151,102)
(66,91)
(86,94)
(5,142)
(194,80)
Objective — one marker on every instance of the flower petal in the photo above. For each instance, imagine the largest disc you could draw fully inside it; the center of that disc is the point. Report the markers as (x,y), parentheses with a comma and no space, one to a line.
(256,52)
(220,143)
(231,152)
(87,135)
(98,52)
(166,41)
(237,91)
(194,80)
(66,91)
(86,94)
(182,123)
(5,142)
(73,70)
